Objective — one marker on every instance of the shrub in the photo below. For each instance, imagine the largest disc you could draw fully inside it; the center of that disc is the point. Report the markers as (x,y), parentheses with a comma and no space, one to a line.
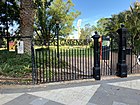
(15,65)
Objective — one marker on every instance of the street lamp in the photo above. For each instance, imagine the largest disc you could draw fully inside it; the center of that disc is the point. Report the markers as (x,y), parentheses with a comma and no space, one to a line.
(6,22)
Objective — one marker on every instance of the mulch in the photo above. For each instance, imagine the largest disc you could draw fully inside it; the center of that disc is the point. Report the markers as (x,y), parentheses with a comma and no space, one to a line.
(5,80)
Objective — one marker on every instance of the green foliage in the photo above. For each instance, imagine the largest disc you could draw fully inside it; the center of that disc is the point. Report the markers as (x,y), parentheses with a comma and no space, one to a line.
(64,13)
(9,12)
(14,65)
(47,16)
(101,26)
(133,23)
(86,32)
(131,20)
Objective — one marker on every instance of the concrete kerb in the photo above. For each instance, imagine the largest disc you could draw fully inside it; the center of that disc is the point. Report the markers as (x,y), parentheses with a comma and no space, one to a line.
(83,81)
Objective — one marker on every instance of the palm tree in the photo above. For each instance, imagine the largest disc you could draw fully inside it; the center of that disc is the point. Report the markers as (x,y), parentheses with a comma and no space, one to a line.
(133,23)
(27,13)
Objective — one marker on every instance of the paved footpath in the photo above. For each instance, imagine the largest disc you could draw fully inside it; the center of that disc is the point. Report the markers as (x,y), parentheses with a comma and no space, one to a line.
(120,91)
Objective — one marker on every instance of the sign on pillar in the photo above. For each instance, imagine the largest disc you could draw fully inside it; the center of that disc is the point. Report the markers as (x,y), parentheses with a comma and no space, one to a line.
(12,46)
(20,47)
(105,47)
(138,60)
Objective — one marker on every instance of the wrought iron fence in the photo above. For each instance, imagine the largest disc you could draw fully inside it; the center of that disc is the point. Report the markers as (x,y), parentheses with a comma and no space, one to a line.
(132,61)
(69,63)
(75,60)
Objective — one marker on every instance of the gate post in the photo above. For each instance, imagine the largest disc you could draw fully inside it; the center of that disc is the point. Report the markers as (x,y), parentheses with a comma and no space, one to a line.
(121,65)
(96,68)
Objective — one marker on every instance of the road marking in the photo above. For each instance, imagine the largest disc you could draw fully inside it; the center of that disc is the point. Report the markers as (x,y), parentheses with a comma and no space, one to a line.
(66,96)
(39,101)
(119,103)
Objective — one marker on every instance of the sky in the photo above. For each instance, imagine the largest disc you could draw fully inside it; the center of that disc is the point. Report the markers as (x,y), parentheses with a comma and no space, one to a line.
(93,10)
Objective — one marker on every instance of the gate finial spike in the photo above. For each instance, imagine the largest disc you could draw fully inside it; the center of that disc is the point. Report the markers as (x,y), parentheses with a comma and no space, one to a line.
(122,25)
(96,32)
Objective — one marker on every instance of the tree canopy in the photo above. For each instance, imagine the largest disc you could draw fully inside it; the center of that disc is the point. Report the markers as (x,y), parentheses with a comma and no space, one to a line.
(9,13)
(86,32)
(130,18)
(47,15)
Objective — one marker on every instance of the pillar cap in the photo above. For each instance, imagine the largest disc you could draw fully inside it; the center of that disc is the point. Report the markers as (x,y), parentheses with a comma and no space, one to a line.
(122,25)
(96,32)
(96,36)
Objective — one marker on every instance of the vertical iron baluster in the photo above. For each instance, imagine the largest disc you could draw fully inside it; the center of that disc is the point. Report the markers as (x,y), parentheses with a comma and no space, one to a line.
(40,65)
(108,64)
(61,65)
(131,60)
(72,66)
(136,63)
(67,63)
(113,61)
(46,55)
(43,64)
(75,63)
(78,56)
(49,70)
(58,64)
(92,63)
(101,63)
(55,72)
(80,65)
(105,60)
(36,65)
(64,51)
(111,56)
(52,52)
(104,63)
(83,62)
(88,63)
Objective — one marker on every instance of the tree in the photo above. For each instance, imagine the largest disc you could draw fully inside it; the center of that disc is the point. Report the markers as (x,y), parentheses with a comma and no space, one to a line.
(41,19)
(131,20)
(9,14)
(27,12)
(46,18)
(133,23)
(87,31)
(101,26)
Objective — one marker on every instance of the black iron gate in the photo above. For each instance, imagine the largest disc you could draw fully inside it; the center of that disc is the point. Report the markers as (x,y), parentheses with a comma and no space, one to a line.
(74,60)
(132,60)
(109,57)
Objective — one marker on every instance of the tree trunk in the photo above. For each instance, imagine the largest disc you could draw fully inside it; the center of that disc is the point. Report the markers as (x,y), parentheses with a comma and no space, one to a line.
(27,21)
